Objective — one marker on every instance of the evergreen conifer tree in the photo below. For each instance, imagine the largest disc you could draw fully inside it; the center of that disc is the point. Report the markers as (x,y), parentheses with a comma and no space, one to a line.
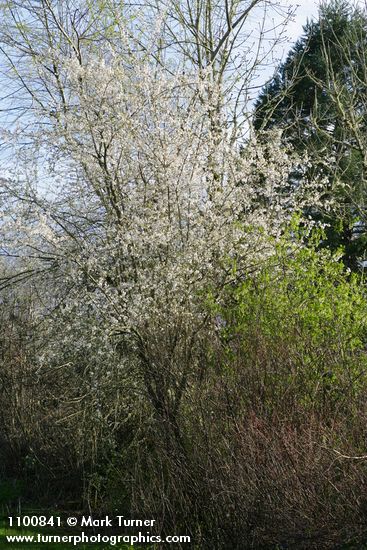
(318,98)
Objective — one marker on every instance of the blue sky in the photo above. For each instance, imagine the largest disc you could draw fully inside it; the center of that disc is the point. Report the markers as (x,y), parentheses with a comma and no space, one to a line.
(306,10)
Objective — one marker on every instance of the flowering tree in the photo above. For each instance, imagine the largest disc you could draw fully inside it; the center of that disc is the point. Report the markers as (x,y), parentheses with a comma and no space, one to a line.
(132,193)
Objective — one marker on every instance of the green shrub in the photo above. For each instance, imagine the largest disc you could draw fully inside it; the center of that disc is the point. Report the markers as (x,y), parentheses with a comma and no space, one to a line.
(297,329)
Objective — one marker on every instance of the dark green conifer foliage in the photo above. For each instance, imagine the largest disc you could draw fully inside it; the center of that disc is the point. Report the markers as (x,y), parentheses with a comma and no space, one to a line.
(323,77)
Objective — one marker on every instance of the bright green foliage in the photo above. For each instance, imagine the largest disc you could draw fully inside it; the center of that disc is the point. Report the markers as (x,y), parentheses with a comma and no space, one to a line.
(298,329)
